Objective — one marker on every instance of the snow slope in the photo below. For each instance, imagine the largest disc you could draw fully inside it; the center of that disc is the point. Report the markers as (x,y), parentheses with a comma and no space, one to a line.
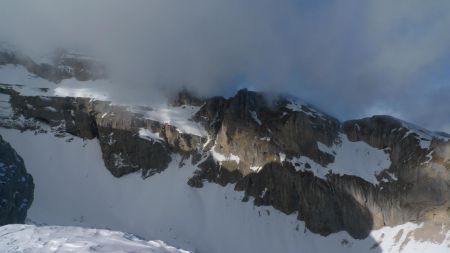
(48,239)
(74,188)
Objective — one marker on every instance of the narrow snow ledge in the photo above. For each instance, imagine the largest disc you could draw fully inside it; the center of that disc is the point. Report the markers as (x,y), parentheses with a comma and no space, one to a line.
(424,136)
(46,239)
(350,158)
(177,116)
(225,158)
(298,105)
(149,135)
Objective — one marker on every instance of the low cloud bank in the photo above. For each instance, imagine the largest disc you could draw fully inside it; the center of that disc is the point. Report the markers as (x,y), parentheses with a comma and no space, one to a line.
(349,58)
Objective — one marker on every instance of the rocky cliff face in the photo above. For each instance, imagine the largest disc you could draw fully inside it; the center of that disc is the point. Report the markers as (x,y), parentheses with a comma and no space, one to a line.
(353,176)
(125,149)
(420,167)
(16,186)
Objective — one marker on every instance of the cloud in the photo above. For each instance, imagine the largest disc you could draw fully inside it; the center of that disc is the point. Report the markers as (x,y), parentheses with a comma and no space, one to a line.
(350,58)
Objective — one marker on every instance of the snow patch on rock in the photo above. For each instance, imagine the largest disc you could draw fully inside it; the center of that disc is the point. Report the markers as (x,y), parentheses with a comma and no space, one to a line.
(149,135)
(255,117)
(423,136)
(350,158)
(304,163)
(177,116)
(358,159)
(298,105)
(223,158)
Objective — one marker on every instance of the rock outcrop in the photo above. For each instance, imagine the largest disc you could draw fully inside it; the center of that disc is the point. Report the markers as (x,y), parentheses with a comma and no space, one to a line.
(259,133)
(16,186)
(420,165)
(254,136)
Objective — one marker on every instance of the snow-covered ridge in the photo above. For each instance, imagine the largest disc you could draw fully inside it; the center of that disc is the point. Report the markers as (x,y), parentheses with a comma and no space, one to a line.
(424,136)
(47,239)
(298,105)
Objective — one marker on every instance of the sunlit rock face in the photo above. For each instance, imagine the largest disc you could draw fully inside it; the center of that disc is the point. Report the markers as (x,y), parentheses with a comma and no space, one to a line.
(16,186)
(399,171)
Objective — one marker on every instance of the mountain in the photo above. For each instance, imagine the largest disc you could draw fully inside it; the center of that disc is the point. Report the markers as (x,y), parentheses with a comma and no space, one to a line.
(250,173)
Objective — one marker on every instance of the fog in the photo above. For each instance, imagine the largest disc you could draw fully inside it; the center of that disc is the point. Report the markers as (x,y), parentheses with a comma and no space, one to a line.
(349,58)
